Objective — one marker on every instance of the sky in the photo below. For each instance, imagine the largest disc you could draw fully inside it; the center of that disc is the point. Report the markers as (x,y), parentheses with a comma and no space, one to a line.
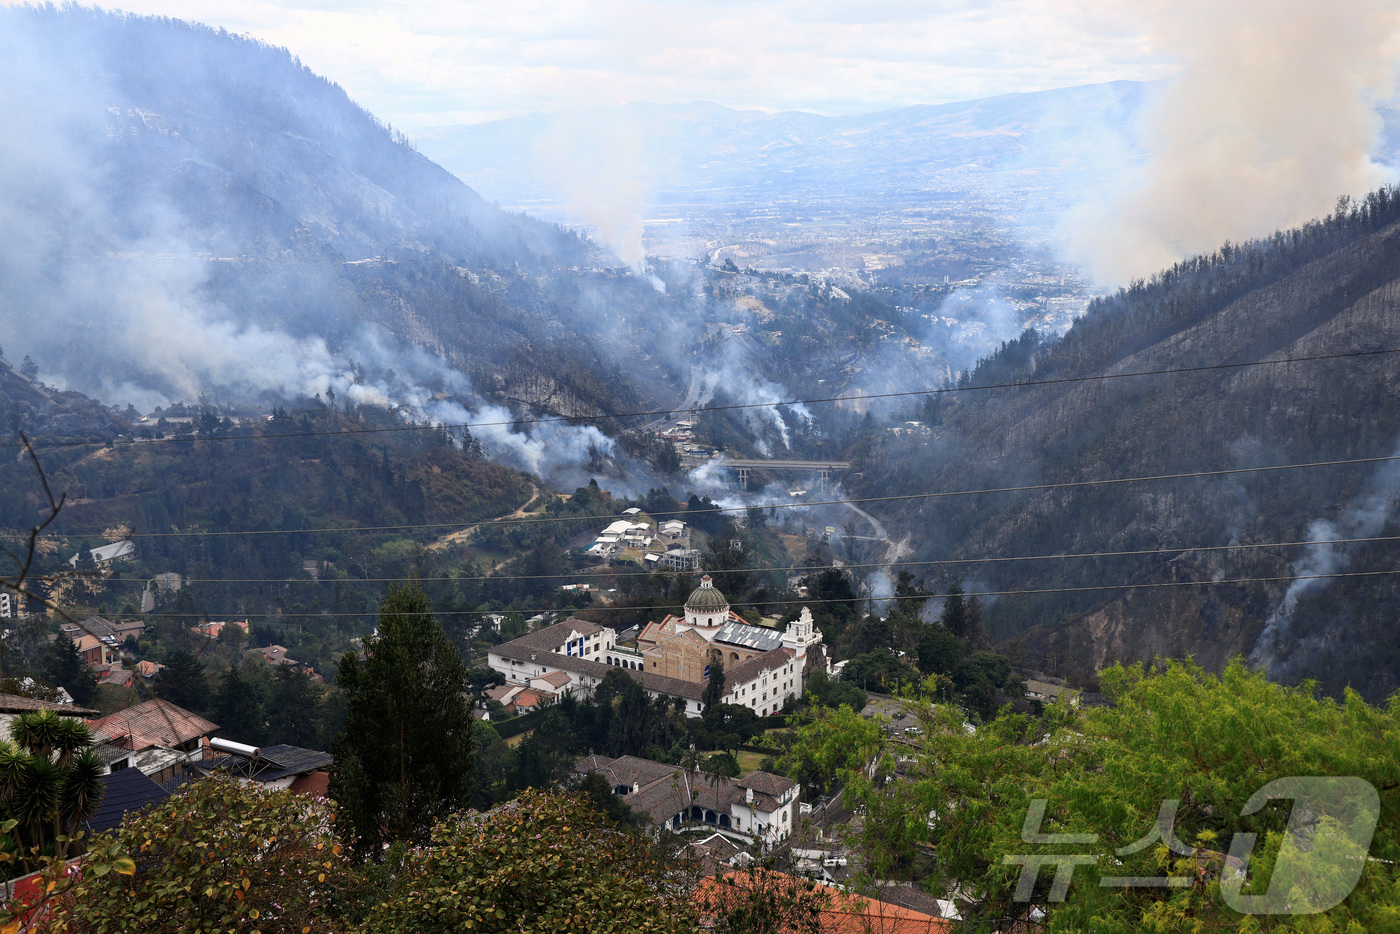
(430,63)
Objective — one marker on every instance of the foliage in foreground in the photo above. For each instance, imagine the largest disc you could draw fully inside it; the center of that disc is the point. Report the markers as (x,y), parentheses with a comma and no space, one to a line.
(219,855)
(951,813)
(543,863)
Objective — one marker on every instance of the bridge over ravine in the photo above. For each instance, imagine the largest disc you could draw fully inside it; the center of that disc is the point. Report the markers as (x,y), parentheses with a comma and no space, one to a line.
(742,466)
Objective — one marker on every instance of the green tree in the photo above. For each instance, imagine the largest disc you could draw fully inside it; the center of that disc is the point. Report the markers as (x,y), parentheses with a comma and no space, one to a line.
(955,617)
(480,680)
(50,782)
(29,368)
(239,708)
(631,726)
(730,560)
(549,863)
(713,694)
(406,758)
(984,682)
(822,691)
(1200,743)
(183,682)
(65,668)
(939,651)
(295,710)
(219,855)
(878,670)
(831,747)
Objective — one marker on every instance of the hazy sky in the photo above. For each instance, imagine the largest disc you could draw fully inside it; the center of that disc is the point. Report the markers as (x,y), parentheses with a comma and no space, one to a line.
(425,63)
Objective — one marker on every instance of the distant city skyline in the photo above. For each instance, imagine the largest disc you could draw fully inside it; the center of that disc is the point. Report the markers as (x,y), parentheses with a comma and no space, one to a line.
(433,63)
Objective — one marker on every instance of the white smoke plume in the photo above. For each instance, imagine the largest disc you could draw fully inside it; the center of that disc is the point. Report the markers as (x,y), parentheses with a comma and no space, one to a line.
(594,156)
(1271,120)
(736,376)
(1363,517)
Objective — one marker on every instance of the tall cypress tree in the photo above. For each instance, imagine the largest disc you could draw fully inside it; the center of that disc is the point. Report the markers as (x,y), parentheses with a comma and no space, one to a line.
(64,668)
(406,757)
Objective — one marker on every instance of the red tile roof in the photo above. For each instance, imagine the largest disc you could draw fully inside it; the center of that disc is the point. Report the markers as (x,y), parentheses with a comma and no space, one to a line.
(841,912)
(154,723)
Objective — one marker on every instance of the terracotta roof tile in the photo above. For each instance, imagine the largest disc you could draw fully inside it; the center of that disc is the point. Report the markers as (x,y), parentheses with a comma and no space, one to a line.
(842,912)
(15,703)
(154,723)
(766,783)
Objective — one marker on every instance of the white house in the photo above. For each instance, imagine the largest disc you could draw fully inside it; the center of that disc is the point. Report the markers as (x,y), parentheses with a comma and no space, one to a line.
(117,551)
(758,807)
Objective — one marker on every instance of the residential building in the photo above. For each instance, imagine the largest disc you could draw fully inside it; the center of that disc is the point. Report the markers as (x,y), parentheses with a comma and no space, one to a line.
(760,807)
(12,705)
(212,630)
(123,792)
(95,652)
(162,735)
(839,912)
(305,771)
(117,551)
(115,674)
(99,641)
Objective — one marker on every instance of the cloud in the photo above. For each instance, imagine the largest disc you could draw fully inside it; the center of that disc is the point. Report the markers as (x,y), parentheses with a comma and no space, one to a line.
(431,62)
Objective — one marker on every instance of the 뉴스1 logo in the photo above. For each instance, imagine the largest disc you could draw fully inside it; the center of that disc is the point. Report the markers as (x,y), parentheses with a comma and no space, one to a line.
(1324,849)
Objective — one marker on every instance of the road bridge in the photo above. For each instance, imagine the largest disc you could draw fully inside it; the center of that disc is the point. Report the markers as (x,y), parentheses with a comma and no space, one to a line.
(741,466)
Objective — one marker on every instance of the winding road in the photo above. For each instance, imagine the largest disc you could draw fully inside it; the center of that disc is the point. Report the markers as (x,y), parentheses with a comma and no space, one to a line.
(461,535)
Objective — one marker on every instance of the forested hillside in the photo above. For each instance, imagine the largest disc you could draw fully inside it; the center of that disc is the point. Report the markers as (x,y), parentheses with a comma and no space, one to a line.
(1328,289)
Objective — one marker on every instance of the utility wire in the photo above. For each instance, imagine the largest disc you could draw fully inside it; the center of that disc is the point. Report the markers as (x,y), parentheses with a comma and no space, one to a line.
(803,602)
(897,565)
(938,494)
(544,419)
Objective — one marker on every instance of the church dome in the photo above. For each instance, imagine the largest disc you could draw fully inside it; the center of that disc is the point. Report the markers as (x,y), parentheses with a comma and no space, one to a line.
(706,599)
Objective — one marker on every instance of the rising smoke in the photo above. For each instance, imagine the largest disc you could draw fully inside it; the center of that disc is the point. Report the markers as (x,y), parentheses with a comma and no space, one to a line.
(594,156)
(1271,120)
(115,229)
(1363,517)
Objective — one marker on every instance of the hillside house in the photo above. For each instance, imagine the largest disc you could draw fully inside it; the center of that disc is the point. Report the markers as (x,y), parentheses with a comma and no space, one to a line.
(12,705)
(760,807)
(162,736)
(107,554)
(304,771)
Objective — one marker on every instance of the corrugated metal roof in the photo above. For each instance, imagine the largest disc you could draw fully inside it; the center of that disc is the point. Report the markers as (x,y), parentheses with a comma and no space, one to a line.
(275,762)
(750,637)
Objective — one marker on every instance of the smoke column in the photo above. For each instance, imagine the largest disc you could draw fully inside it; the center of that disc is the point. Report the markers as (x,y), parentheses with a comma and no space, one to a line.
(1271,120)
(595,158)
(1363,517)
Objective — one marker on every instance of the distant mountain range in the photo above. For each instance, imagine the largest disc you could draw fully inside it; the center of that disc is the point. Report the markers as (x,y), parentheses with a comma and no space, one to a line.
(702,153)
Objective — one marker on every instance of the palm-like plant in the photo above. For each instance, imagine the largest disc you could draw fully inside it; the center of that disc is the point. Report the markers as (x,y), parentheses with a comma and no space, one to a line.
(37,732)
(50,781)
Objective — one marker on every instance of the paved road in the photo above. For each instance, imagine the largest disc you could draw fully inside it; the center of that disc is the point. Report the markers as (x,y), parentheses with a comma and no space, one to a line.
(695,394)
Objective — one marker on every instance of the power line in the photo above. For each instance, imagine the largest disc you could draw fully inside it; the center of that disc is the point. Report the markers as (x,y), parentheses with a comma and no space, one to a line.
(938,494)
(804,602)
(897,565)
(544,419)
